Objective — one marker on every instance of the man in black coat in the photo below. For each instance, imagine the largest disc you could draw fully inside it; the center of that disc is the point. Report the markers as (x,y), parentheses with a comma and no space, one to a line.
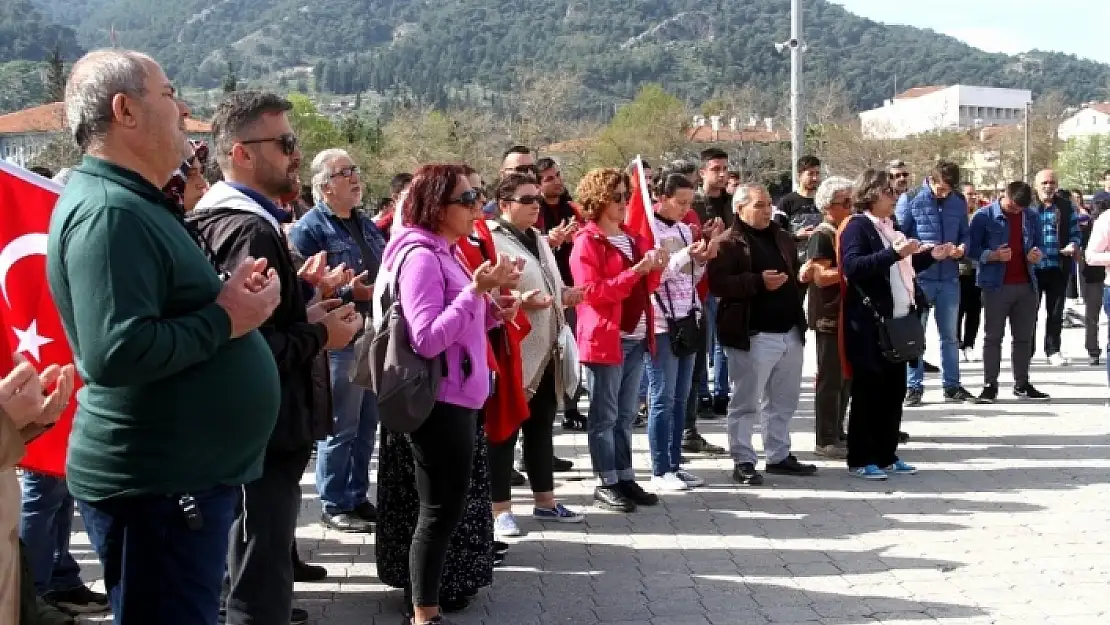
(241,217)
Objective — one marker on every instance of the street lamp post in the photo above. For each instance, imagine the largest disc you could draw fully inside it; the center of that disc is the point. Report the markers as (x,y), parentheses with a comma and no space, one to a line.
(797,47)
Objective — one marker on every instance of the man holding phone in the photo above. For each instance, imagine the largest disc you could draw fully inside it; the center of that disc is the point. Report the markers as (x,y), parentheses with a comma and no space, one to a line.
(1007,240)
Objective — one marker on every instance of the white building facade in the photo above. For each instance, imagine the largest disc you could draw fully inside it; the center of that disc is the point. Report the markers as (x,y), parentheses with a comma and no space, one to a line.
(959,107)
(1091,120)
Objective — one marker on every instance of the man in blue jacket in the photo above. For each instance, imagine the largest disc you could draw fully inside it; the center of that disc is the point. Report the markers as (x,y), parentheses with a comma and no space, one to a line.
(938,214)
(1060,227)
(1007,243)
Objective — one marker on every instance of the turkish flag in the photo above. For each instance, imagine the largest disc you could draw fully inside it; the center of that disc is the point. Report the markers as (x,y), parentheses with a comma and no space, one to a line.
(29,322)
(640,218)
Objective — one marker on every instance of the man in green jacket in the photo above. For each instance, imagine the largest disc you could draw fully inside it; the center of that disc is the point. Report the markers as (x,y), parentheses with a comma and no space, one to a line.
(181,391)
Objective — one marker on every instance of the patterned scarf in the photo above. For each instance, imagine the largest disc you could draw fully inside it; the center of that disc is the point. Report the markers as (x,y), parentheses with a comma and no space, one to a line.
(891,236)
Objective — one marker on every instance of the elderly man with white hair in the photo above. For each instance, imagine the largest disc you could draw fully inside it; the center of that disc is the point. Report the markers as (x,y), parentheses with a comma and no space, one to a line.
(820,272)
(347,234)
(761,324)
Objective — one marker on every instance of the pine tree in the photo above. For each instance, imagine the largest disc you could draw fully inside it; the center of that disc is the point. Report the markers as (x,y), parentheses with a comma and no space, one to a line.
(358,100)
(56,75)
(231,79)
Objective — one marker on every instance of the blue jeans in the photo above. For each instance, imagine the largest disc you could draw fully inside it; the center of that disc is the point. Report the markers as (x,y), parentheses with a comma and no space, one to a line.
(944,296)
(156,569)
(1106,309)
(45,523)
(343,459)
(669,380)
(613,391)
(715,350)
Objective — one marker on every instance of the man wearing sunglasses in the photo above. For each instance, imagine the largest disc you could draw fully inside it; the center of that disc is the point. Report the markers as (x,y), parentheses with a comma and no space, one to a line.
(937,214)
(338,227)
(241,217)
(517,159)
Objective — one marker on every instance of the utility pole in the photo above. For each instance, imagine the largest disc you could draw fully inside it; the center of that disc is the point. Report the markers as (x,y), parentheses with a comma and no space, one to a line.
(796,46)
(1025,160)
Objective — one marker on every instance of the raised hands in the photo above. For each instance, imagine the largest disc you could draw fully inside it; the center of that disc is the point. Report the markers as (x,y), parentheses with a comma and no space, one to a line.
(249,296)
(26,396)
(562,233)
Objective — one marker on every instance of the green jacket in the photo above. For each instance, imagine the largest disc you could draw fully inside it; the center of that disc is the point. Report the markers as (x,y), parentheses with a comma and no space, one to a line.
(170,403)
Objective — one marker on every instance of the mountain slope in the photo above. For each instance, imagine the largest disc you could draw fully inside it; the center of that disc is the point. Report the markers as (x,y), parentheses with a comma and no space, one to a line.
(434,50)
(26,36)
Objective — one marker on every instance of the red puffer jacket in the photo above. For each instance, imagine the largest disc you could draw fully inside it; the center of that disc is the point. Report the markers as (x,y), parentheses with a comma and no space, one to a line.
(612,293)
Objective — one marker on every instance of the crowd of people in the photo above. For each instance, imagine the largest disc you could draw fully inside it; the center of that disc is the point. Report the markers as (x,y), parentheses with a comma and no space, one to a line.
(219,321)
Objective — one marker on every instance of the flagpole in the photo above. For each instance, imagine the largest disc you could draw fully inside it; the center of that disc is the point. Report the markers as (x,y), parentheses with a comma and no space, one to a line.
(645,197)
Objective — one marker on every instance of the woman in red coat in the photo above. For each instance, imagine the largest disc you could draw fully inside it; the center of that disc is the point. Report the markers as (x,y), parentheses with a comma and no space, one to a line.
(616,271)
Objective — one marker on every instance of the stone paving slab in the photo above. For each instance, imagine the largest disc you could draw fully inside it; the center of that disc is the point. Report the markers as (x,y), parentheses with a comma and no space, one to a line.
(1007,523)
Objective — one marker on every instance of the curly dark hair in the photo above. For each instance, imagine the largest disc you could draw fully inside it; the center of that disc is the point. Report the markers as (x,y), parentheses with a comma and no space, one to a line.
(429,195)
(596,188)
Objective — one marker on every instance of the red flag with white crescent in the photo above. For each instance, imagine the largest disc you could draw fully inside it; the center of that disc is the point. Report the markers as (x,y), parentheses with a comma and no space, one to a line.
(640,218)
(29,322)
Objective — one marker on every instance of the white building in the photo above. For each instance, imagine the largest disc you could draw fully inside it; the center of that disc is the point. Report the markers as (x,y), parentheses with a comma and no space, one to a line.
(1093,119)
(959,107)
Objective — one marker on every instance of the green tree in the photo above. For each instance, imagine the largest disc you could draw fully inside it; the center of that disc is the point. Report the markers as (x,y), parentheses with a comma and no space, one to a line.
(1082,161)
(652,125)
(231,78)
(56,75)
(315,131)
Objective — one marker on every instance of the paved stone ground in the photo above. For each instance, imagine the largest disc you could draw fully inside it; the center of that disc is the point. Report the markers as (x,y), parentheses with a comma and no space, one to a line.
(1006,524)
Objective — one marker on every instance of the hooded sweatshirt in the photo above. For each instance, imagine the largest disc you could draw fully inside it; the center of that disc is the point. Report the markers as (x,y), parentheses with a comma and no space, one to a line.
(236,226)
(445,315)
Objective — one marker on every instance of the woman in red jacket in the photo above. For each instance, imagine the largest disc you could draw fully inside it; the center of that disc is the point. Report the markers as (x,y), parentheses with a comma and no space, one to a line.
(616,271)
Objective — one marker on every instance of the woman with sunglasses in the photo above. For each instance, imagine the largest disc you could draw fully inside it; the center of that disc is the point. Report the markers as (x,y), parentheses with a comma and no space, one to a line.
(543,368)
(448,311)
(188,184)
(879,263)
(616,271)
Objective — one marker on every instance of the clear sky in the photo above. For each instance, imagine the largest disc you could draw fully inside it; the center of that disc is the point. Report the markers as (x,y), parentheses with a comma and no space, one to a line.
(1072,26)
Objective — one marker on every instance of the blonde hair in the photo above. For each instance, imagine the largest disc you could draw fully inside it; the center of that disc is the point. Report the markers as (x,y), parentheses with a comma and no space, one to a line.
(596,188)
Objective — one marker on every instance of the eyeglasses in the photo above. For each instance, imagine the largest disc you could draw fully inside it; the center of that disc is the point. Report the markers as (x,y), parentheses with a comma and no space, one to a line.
(468,198)
(901,175)
(889,192)
(620,196)
(346,172)
(287,142)
(528,199)
(525,169)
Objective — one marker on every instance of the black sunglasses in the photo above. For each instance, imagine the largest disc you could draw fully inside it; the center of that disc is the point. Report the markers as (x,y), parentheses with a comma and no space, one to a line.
(346,172)
(525,169)
(620,196)
(901,175)
(287,142)
(468,197)
(528,199)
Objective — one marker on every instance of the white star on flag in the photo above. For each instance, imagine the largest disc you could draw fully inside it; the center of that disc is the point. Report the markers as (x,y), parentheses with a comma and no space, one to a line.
(30,341)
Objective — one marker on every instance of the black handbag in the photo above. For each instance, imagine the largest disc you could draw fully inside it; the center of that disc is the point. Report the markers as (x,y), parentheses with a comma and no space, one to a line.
(901,339)
(686,333)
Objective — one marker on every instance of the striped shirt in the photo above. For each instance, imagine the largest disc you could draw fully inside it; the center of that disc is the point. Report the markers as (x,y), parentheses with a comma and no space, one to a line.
(678,282)
(624,243)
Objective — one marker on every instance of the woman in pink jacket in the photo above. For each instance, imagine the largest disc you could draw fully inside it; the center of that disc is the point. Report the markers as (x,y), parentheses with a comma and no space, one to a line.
(616,271)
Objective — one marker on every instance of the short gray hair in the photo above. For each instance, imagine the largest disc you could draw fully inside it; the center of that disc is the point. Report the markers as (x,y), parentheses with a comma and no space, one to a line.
(828,190)
(743,194)
(321,170)
(93,82)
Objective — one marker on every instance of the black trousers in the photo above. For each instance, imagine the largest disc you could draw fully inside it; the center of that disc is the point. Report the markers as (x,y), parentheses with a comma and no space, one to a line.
(1053,284)
(875,415)
(538,445)
(442,454)
(701,371)
(832,391)
(259,566)
(971,308)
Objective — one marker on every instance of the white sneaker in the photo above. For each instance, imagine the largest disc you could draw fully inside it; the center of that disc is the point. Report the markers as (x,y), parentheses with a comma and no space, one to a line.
(505,526)
(668,482)
(690,479)
(1058,360)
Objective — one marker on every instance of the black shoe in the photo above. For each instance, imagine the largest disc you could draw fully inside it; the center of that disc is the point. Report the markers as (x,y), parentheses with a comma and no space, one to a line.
(791,466)
(720,406)
(450,605)
(1027,391)
(304,572)
(695,444)
(989,395)
(560,465)
(913,397)
(1094,361)
(957,393)
(639,422)
(366,511)
(47,614)
(903,438)
(79,600)
(613,498)
(930,367)
(573,420)
(347,522)
(637,494)
(517,479)
(745,474)
(298,616)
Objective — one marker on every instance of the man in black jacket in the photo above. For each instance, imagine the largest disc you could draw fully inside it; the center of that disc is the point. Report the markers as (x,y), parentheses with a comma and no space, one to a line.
(240,217)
